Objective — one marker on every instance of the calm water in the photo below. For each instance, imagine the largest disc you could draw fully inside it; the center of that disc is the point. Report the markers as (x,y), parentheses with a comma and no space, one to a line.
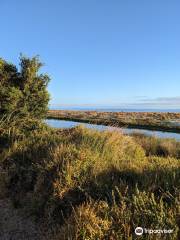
(68,124)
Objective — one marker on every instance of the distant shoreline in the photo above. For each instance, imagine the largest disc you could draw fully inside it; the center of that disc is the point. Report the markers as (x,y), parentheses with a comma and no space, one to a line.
(109,109)
(141,120)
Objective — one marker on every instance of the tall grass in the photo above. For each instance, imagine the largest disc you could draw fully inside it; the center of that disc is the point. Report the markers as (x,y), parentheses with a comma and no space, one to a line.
(158,146)
(87,184)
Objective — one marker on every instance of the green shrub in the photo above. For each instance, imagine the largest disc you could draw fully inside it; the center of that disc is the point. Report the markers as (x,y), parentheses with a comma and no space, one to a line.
(23,93)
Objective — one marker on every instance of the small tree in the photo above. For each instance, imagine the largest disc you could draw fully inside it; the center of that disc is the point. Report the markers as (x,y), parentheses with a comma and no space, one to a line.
(23,92)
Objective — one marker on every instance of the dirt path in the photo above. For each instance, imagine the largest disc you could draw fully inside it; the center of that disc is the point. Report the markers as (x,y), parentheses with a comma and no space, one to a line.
(16,226)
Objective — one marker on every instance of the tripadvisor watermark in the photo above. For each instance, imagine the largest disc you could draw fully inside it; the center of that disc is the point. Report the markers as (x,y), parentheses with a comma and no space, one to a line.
(139,231)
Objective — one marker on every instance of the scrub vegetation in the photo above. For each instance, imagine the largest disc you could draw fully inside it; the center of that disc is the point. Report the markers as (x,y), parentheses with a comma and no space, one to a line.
(142,120)
(84,184)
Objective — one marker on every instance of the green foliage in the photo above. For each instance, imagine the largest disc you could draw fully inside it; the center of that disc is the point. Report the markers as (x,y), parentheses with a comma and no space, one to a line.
(83,183)
(91,185)
(23,93)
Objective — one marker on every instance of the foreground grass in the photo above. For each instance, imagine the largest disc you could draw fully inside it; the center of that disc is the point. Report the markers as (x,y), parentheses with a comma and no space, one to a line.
(85,184)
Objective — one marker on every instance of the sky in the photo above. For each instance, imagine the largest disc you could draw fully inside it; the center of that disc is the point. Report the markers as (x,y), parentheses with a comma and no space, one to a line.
(115,53)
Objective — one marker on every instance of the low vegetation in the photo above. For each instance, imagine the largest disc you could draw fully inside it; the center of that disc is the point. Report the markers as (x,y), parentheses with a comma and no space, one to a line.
(158,146)
(82,184)
(85,184)
(142,120)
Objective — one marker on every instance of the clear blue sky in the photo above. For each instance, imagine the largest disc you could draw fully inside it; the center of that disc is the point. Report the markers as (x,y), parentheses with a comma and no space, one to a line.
(99,52)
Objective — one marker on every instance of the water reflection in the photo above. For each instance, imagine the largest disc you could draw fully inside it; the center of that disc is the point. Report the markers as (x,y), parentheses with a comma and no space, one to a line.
(68,124)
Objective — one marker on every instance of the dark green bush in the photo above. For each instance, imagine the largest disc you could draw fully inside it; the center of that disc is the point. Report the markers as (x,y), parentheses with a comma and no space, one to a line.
(23,92)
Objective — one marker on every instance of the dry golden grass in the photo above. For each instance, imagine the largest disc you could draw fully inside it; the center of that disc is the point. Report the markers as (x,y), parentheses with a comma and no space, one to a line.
(87,184)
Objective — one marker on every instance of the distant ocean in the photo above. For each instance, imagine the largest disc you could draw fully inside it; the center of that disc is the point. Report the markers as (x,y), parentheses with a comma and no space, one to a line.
(98,109)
